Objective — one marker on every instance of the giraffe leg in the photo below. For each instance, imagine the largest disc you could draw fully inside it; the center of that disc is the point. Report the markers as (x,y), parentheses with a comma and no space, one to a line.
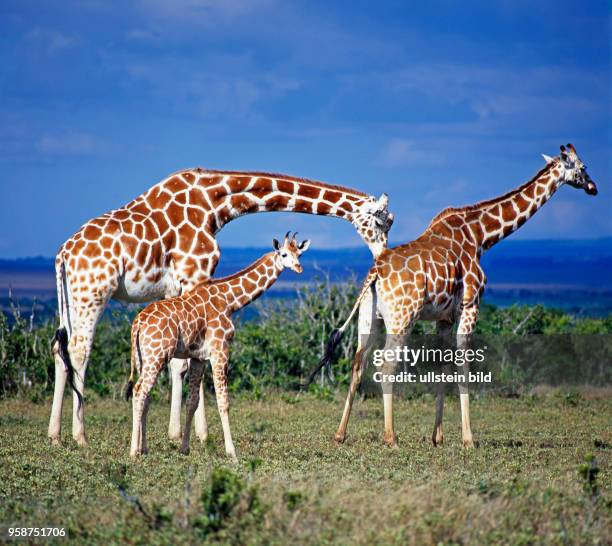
(58,398)
(444,330)
(79,356)
(61,375)
(177,368)
(139,415)
(196,369)
(201,426)
(466,326)
(219,359)
(399,315)
(368,324)
(389,367)
(83,323)
(145,416)
(79,348)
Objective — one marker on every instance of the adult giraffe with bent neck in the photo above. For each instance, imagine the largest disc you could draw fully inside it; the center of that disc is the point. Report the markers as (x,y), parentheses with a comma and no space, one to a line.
(438,277)
(163,243)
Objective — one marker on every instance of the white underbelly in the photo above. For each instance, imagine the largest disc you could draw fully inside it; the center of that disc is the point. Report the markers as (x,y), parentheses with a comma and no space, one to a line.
(134,288)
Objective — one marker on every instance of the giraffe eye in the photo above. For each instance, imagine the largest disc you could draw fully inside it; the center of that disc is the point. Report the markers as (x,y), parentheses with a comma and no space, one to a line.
(284,255)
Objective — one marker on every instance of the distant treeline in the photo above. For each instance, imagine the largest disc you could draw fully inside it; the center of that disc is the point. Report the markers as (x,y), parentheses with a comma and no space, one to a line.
(279,347)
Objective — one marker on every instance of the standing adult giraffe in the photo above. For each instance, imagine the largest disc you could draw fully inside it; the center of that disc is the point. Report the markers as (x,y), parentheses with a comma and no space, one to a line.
(438,277)
(163,243)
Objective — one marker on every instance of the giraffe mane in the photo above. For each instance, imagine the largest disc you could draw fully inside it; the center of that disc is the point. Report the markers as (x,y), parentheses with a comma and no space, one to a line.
(233,276)
(445,213)
(279,176)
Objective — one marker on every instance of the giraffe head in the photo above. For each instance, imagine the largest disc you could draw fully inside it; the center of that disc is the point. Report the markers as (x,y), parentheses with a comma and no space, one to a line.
(573,170)
(288,253)
(373,221)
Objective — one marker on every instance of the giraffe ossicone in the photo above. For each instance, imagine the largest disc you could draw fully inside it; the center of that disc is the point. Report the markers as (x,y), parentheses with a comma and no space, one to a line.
(163,243)
(438,277)
(198,325)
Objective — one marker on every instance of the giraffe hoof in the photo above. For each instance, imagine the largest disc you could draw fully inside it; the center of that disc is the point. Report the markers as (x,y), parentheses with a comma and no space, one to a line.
(468,444)
(437,440)
(81,441)
(391,442)
(184,450)
(232,456)
(55,442)
(339,439)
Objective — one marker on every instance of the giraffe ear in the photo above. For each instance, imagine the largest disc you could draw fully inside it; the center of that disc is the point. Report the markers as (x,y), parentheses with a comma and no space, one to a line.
(303,246)
(383,201)
(275,244)
(548,159)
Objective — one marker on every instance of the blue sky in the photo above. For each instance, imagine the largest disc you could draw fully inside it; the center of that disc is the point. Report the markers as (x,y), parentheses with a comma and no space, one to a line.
(436,103)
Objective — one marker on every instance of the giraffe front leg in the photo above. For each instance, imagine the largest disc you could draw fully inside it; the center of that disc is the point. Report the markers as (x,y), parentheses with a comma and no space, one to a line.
(219,360)
(196,369)
(466,326)
(177,369)
(201,426)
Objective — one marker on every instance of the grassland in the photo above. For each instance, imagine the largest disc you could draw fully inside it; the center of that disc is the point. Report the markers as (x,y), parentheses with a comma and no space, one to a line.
(522,485)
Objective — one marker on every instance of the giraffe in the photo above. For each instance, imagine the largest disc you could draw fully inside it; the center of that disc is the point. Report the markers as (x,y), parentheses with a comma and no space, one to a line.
(198,325)
(438,277)
(163,243)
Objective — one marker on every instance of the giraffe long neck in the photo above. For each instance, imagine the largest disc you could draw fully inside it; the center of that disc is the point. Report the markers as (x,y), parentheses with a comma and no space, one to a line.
(247,285)
(489,222)
(506,214)
(231,195)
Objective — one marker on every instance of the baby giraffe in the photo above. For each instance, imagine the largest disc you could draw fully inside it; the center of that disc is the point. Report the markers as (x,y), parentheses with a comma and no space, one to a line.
(198,325)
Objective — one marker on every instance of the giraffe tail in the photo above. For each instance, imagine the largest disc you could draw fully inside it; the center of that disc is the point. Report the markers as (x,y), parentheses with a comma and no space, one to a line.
(61,338)
(129,388)
(336,335)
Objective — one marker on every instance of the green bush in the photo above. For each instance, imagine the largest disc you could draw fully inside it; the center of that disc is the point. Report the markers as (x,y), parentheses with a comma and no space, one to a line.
(279,347)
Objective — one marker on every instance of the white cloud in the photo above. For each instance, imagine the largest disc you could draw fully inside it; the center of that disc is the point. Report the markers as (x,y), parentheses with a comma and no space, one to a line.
(400,152)
(71,144)
(49,41)
(231,87)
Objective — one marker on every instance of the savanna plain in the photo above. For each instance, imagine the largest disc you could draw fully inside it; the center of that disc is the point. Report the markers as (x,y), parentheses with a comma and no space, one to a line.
(540,473)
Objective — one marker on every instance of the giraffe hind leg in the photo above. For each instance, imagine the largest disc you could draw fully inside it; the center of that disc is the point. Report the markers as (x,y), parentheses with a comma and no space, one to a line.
(368,324)
(444,331)
(196,369)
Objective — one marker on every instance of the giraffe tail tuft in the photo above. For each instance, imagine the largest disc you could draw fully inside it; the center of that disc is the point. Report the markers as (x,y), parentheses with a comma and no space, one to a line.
(336,335)
(61,338)
(129,390)
(332,344)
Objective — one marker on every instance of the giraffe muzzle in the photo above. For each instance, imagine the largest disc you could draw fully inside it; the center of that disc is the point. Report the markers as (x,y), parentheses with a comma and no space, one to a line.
(590,188)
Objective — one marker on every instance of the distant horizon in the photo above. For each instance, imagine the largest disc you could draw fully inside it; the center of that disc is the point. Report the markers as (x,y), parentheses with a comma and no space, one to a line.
(606,238)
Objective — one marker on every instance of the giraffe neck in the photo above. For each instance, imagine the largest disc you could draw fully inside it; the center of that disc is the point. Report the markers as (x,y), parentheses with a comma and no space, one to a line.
(503,216)
(247,285)
(231,194)
(489,222)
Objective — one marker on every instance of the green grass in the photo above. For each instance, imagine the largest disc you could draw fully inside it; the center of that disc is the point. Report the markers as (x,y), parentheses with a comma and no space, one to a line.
(293,485)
